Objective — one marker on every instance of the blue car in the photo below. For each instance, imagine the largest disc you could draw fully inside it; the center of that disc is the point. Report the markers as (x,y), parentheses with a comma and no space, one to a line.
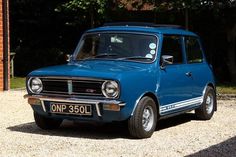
(133,73)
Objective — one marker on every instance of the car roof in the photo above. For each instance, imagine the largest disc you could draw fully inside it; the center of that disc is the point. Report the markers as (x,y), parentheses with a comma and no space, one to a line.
(145,29)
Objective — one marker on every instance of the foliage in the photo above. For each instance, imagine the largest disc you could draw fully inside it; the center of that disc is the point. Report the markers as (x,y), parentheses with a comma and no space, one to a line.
(98,5)
(163,5)
(95,9)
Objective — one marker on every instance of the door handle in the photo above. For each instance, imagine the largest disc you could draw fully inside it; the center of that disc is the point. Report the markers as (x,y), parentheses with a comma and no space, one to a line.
(188,74)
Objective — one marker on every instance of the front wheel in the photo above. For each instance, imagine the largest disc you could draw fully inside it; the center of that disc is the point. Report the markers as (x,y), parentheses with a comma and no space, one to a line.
(143,122)
(46,123)
(206,111)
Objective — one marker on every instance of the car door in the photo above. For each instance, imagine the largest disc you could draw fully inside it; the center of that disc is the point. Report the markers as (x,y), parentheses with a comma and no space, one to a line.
(175,88)
(197,65)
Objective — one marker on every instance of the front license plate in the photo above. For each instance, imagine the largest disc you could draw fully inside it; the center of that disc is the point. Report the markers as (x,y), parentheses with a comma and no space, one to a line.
(75,109)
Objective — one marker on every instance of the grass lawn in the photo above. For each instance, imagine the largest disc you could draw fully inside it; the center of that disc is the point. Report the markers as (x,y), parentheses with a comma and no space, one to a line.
(17,82)
(226,88)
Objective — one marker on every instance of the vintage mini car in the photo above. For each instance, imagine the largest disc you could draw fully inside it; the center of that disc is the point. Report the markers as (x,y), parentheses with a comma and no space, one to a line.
(133,73)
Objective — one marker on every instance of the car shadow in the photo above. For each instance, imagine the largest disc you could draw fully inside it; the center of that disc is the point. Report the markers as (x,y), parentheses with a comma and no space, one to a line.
(226,148)
(77,130)
(176,120)
(97,131)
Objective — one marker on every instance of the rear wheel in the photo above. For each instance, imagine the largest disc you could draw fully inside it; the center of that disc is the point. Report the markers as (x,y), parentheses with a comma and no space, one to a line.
(206,111)
(143,122)
(46,123)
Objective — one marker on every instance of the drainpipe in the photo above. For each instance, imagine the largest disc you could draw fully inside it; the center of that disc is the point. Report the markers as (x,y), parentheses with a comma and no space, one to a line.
(5,44)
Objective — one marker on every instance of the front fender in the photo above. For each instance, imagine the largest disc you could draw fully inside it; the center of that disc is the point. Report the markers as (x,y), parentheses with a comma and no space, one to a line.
(150,94)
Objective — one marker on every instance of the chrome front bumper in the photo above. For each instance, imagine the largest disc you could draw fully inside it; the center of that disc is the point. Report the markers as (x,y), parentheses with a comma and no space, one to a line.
(112,105)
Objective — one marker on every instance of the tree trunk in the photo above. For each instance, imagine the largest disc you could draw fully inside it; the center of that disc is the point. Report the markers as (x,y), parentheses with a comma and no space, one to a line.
(92,17)
(231,34)
(186,12)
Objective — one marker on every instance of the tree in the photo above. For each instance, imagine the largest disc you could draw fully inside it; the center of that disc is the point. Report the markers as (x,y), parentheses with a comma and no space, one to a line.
(94,8)
(184,5)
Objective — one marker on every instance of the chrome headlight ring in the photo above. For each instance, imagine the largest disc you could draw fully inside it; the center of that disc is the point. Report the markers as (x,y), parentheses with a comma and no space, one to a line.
(110,89)
(35,85)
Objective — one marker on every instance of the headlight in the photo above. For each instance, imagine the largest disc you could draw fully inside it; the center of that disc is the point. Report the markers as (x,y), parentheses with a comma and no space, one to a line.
(110,89)
(35,85)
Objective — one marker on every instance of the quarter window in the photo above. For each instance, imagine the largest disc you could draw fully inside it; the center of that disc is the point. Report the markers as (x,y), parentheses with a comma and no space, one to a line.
(172,45)
(193,50)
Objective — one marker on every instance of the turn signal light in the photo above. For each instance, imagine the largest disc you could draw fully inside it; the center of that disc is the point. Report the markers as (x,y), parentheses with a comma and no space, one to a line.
(34,101)
(111,107)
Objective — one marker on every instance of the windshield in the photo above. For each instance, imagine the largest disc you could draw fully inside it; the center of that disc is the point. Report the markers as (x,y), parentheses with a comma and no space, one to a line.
(117,46)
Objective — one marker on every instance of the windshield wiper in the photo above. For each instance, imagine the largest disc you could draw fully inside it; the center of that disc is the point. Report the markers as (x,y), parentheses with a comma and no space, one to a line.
(135,57)
(105,55)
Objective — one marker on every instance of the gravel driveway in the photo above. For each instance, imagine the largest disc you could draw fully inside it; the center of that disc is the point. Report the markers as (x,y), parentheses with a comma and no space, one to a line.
(179,136)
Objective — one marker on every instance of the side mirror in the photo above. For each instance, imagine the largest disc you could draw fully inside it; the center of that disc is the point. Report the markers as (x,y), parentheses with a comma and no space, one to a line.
(165,60)
(68,57)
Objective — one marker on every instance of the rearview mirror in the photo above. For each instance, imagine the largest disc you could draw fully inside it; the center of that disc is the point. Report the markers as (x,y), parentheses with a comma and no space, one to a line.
(116,39)
(165,60)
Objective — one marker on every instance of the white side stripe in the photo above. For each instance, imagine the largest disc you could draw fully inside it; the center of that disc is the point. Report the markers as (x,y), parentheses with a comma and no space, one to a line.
(181,104)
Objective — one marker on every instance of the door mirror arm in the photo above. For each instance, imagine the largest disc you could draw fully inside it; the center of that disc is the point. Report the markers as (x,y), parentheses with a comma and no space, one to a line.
(166,60)
(68,58)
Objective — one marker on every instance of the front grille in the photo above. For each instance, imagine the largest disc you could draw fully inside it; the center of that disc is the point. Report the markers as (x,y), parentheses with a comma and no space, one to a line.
(75,87)
(58,86)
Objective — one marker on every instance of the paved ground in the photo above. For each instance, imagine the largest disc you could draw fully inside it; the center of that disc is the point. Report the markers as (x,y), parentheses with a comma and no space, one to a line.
(179,136)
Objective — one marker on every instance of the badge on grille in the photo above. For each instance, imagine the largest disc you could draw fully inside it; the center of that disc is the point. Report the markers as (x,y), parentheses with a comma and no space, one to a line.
(90,90)
(69,82)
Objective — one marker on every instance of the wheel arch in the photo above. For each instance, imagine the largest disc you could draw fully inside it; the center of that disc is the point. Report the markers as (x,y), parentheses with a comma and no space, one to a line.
(151,95)
(212,85)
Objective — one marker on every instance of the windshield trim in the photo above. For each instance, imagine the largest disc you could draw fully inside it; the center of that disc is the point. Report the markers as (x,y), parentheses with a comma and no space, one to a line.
(76,51)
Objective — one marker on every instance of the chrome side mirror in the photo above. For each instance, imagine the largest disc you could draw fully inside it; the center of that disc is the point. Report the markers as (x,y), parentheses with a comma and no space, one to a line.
(165,60)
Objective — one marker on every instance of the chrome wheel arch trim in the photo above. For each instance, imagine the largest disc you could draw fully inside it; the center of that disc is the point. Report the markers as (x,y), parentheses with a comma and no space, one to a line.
(204,92)
(140,97)
(208,85)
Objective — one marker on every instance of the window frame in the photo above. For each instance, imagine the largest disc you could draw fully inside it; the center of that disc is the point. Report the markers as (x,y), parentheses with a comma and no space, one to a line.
(201,49)
(80,43)
(182,49)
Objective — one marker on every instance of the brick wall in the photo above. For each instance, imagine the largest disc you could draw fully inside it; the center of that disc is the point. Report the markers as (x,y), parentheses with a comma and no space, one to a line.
(1,48)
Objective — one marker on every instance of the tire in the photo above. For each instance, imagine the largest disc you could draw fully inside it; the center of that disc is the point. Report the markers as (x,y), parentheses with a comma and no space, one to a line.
(206,111)
(46,123)
(143,122)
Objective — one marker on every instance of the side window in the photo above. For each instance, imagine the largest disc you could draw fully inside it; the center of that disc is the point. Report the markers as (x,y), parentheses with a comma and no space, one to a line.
(193,50)
(172,45)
